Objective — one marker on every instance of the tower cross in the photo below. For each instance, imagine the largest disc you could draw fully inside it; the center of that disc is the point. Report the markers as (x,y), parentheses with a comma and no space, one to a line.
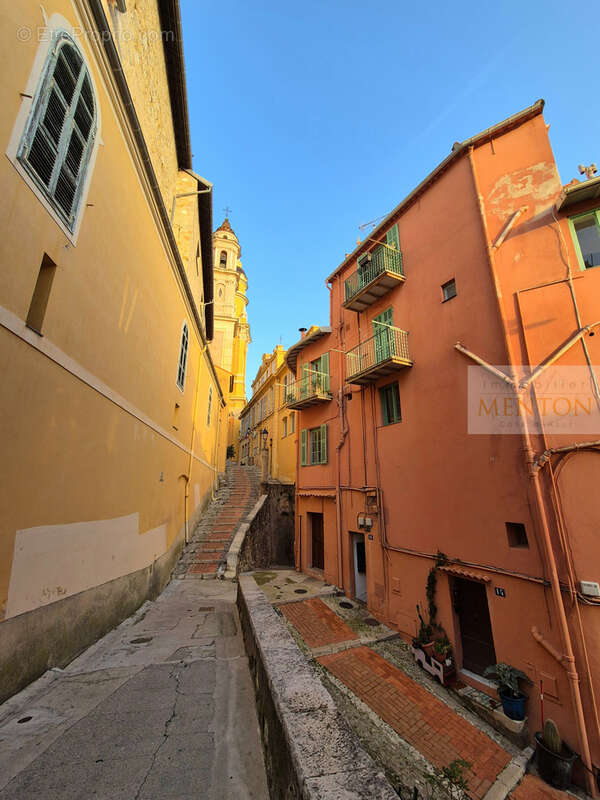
(227,211)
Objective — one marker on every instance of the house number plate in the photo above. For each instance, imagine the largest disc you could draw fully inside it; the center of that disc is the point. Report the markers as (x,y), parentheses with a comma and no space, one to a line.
(500,591)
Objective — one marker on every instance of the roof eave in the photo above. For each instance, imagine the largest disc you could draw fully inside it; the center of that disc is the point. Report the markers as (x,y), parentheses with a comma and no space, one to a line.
(573,195)
(291,357)
(458,150)
(206,250)
(172,36)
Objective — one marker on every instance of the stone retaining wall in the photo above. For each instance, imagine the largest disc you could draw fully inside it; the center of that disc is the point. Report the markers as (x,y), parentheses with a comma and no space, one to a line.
(310,752)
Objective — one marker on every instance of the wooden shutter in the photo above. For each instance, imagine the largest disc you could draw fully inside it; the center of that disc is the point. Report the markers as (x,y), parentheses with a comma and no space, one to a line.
(303,438)
(325,371)
(59,138)
(323,459)
(391,237)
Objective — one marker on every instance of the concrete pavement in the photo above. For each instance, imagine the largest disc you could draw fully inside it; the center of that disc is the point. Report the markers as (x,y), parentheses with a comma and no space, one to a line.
(161,707)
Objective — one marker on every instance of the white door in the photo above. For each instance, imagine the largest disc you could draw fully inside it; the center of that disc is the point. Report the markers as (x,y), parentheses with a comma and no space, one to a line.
(360,567)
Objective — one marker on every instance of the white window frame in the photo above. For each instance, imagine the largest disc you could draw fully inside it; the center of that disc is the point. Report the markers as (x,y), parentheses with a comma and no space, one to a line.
(55,27)
(183,354)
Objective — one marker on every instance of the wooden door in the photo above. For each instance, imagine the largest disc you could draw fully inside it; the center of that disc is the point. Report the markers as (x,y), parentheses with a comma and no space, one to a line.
(471,605)
(317,541)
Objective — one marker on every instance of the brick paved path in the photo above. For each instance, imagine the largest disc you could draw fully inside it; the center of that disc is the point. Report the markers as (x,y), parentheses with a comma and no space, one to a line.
(316,623)
(534,788)
(210,542)
(425,722)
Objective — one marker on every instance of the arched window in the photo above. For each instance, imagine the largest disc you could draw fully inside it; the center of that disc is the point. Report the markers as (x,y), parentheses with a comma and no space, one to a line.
(183,351)
(223,259)
(59,135)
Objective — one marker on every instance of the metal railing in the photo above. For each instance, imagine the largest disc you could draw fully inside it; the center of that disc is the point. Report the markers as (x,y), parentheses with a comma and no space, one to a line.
(388,342)
(315,384)
(382,259)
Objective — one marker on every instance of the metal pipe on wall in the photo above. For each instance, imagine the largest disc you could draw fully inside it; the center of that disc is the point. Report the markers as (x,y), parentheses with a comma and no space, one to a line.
(568,660)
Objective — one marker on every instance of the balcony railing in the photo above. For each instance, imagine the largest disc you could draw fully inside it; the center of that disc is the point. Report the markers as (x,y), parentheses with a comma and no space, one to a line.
(376,275)
(380,355)
(310,389)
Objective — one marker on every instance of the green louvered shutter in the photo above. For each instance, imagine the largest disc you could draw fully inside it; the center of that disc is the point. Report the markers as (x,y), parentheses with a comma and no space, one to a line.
(305,382)
(323,444)
(303,438)
(325,371)
(391,237)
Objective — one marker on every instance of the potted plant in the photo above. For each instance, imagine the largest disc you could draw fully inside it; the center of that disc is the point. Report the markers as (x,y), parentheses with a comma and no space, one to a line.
(425,635)
(442,649)
(554,759)
(507,680)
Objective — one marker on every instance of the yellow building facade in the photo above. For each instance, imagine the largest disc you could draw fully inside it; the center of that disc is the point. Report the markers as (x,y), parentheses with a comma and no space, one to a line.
(267,427)
(112,418)
(232,333)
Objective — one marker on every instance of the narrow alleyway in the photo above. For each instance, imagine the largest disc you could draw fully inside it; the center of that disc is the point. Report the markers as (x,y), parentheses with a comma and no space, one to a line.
(161,707)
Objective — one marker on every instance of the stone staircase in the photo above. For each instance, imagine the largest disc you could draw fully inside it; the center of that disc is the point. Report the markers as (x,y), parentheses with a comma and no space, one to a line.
(205,555)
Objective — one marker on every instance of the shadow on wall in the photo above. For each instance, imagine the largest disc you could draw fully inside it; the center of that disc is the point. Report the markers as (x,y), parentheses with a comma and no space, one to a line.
(270,539)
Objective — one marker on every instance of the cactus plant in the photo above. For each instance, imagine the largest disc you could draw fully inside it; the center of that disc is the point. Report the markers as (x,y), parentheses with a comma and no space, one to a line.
(552,738)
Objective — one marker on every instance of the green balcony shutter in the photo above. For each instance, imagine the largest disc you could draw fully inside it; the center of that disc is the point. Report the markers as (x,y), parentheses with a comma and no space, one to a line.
(325,371)
(323,444)
(391,237)
(303,438)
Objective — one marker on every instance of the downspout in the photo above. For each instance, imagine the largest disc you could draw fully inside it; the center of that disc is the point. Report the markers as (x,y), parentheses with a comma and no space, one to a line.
(339,445)
(568,659)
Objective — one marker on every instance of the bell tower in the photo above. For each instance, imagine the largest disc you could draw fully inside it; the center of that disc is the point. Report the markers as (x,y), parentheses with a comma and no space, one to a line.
(232,333)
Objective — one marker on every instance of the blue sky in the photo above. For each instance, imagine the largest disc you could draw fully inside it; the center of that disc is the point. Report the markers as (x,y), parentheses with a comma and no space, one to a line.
(313,118)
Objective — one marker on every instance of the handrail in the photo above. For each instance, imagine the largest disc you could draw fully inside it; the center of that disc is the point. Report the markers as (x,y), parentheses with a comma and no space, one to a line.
(312,384)
(382,259)
(388,342)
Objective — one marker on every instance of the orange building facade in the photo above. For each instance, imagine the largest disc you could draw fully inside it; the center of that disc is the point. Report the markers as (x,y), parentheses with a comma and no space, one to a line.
(483,268)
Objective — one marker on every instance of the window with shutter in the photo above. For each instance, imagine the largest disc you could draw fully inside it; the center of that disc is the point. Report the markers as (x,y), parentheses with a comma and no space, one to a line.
(183,350)
(323,437)
(392,239)
(209,409)
(303,438)
(59,135)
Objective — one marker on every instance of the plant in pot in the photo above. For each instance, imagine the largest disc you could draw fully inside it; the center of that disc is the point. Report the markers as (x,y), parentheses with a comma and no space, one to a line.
(442,649)
(425,635)
(554,758)
(507,680)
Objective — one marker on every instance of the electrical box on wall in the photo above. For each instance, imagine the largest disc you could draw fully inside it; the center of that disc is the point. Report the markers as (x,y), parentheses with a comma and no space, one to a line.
(590,588)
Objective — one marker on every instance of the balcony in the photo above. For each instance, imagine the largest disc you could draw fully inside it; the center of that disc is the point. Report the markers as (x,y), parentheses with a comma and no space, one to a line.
(382,354)
(379,272)
(308,391)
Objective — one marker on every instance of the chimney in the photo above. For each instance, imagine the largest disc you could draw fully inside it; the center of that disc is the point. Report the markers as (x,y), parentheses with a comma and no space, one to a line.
(302,332)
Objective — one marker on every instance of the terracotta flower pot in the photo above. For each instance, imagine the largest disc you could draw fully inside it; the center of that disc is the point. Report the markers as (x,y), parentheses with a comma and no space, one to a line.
(428,648)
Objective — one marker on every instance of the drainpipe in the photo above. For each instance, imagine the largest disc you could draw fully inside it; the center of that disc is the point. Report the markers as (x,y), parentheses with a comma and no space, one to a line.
(561,351)
(568,659)
(338,450)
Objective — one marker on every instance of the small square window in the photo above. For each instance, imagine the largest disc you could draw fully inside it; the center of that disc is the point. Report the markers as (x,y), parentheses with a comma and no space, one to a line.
(517,535)
(448,290)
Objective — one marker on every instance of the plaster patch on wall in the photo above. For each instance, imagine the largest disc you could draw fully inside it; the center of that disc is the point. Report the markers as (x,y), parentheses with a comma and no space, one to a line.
(535,186)
(55,561)
(197,497)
